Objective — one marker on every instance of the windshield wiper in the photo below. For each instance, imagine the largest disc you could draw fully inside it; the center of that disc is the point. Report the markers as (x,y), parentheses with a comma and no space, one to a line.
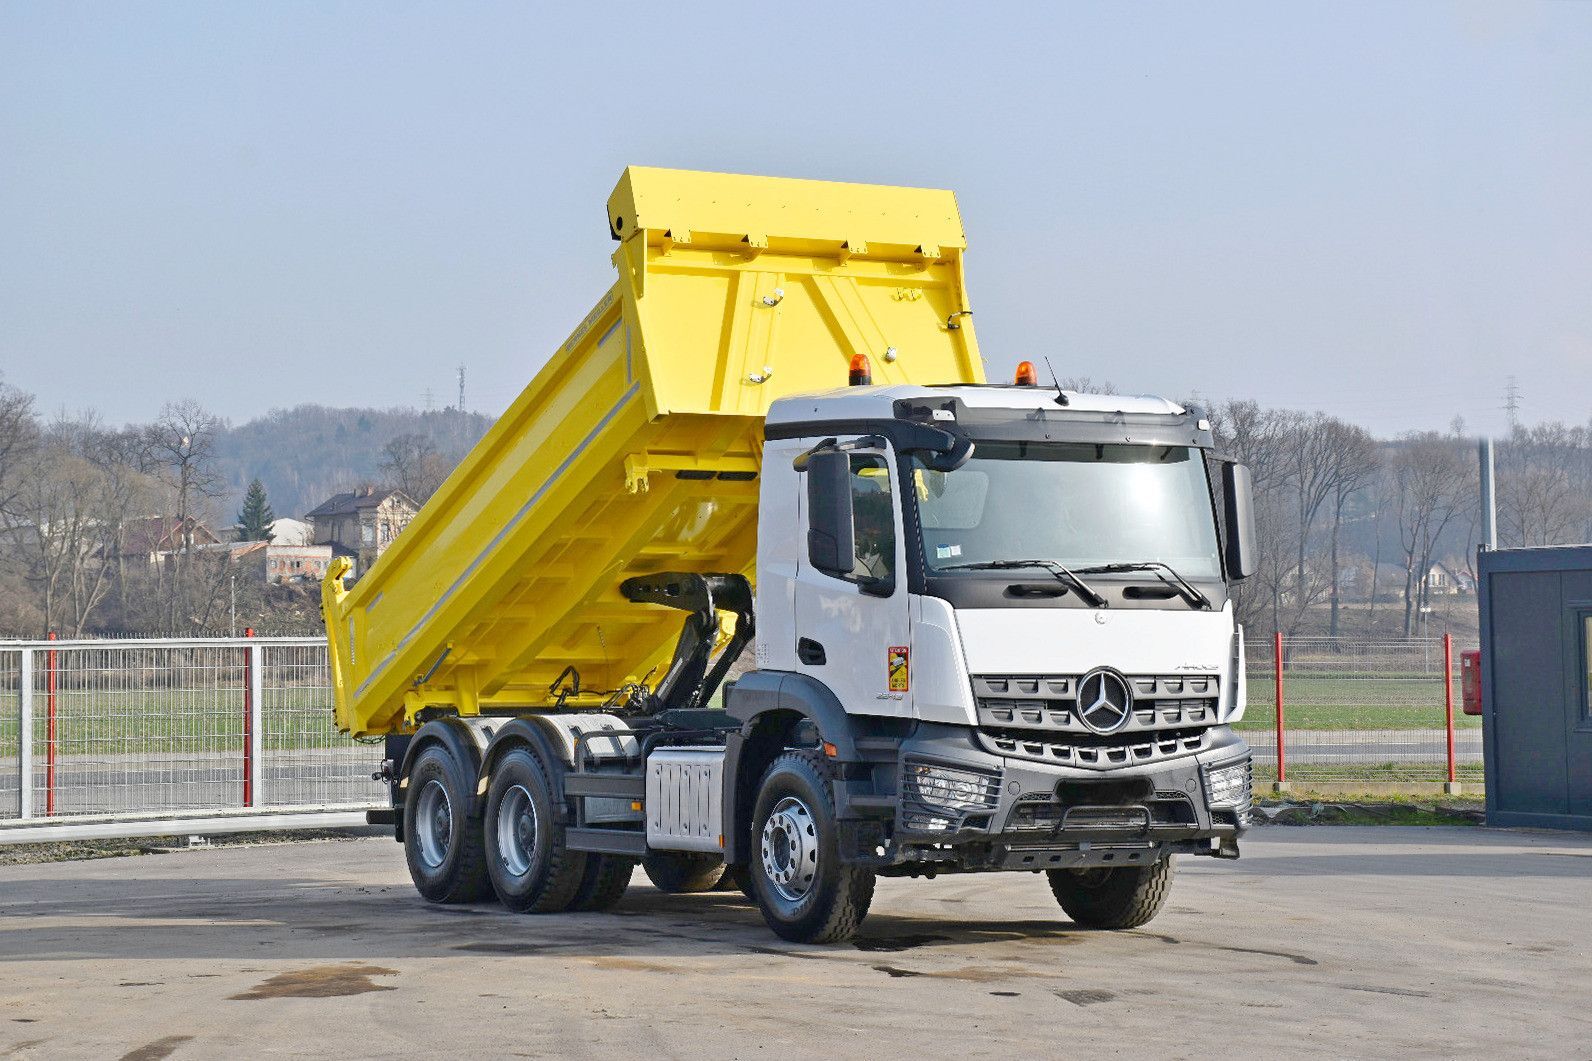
(1062,575)
(1168,574)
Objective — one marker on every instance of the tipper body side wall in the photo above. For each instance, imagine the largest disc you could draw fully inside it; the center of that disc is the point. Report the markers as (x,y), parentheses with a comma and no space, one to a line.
(636,448)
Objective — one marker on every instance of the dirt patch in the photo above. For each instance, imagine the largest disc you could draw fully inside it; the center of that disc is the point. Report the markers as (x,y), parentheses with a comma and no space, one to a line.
(897,943)
(894,973)
(633,965)
(158,1049)
(1086,996)
(1297,959)
(1402,992)
(320,981)
(80,850)
(1283,812)
(971,974)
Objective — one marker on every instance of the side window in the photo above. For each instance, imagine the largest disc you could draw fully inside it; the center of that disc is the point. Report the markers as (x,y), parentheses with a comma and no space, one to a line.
(873,517)
(1586,664)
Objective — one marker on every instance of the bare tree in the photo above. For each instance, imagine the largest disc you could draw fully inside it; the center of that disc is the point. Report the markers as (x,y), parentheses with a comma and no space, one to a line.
(1431,481)
(1542,476)
(1261,439)
(180,446)
(411,463)
(1354,460)
(19,433)
(68,521)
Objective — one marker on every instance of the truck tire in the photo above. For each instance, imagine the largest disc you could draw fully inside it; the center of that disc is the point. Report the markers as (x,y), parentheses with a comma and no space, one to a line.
(805,893)
(604,882)
(1116,897)
(683,872)
(532,870)
(442,841)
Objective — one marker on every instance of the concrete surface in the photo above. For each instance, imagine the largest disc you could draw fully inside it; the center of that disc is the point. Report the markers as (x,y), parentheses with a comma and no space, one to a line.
(1349,942)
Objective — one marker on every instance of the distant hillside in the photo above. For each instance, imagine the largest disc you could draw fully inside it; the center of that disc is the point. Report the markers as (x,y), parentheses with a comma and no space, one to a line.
(305,454)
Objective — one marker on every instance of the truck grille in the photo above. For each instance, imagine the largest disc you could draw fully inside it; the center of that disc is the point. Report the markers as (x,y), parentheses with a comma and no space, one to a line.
(1092,752)
(1038,702)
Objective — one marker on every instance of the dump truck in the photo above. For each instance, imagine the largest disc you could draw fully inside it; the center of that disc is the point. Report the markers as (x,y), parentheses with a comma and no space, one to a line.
(992,622)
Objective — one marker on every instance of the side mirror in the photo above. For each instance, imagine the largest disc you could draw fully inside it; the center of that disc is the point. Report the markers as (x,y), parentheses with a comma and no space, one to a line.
(1239,502)
(831,547)
(948,460)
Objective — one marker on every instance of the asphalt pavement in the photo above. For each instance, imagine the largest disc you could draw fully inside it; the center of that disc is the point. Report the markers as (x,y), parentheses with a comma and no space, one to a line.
(1346,942)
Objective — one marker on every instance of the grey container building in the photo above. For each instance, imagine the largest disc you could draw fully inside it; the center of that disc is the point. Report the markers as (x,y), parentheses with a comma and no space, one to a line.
(1536,683)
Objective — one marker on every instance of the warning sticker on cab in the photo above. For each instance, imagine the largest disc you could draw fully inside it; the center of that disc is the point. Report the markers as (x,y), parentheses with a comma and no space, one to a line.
(896,665)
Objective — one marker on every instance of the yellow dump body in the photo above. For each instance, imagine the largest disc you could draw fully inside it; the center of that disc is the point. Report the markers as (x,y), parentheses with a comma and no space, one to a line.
(636,448)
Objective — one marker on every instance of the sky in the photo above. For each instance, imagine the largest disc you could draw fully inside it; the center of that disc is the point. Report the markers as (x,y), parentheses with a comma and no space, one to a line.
(1380,211)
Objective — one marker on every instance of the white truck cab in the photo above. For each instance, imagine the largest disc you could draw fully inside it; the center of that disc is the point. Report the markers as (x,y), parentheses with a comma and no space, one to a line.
(1006,610)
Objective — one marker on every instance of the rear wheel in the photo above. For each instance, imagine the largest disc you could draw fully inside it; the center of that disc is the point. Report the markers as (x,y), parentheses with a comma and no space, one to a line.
(805,893)
(442,842)
(604,882)
(682,872)
(1115,897)
(532,869)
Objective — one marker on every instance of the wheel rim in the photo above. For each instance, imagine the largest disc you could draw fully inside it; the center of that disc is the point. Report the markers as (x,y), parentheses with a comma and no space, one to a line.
(516,830)
(434,823)
(790,849)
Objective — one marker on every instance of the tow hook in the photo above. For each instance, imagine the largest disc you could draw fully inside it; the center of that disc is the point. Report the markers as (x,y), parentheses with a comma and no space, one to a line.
(1226,847)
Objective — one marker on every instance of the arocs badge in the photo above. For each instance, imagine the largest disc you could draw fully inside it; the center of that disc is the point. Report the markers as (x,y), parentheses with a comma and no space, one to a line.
(896,666)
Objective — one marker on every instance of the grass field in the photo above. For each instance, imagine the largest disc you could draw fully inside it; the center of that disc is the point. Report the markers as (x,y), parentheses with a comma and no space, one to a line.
(1352,701)
(173,721)
(1369,773)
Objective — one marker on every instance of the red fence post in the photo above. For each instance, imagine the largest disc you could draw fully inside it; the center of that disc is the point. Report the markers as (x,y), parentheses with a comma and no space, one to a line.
(1448,702)
(1282,761)
(248,722)
(49,731)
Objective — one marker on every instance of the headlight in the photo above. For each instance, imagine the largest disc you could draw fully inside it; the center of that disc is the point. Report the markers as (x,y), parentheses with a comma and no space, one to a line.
(1228,786)
(947,788)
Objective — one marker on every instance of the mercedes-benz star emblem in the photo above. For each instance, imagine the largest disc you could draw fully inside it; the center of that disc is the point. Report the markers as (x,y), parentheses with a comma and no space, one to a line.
(1105,700)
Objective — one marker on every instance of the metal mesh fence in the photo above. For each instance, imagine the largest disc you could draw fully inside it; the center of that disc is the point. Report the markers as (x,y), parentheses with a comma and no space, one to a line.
(10,726)
(1359,711)
(121,729)
(305,760)
(125,728)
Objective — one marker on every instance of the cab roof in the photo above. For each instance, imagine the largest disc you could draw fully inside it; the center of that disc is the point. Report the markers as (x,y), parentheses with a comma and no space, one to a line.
(878,403)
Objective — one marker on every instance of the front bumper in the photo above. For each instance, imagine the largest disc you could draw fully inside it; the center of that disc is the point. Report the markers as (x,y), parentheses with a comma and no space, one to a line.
(952,804)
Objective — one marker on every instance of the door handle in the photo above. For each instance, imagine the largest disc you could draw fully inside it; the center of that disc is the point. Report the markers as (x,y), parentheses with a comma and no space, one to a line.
(810,652)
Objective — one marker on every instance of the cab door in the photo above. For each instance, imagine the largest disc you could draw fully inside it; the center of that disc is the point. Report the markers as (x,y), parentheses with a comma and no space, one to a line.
(852,630)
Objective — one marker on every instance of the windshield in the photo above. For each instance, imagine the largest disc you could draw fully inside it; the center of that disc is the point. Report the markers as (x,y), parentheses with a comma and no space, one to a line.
(1077,504)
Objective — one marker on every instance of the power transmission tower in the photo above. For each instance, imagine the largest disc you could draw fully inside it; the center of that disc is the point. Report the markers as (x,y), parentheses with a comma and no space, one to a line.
(430,400)
(1512,402)
(461,388)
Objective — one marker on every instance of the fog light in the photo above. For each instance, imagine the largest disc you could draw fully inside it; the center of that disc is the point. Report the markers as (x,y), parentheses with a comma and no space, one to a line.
(951,789)
(1228,786)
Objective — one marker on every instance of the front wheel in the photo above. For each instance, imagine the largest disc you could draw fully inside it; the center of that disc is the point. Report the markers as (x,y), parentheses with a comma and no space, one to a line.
(1115,897)
(805,893)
